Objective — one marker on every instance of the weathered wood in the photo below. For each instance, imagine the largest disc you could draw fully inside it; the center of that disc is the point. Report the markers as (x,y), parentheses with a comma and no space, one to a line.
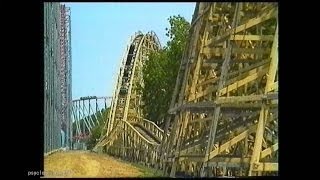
(220,135)
(191,157)
(255,74)
(200,120)
(229,162)
(183,71)
(223,76)
(250,23)
(238,99)
(242,82)
(273,64)
(205,106)
(208,62)
(246,37)
(199,59)
(242,89)
(269,150)
(231,142)
(237,120)
(264,110)
(265,167)
(273,86)
(213,51)
(247,70)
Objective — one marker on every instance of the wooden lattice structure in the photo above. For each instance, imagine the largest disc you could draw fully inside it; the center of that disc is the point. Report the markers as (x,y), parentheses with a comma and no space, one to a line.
(127,134)
(224,108)
(225,103)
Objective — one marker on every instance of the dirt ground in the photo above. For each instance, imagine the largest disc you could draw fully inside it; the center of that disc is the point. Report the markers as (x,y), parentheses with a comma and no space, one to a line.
(87,164)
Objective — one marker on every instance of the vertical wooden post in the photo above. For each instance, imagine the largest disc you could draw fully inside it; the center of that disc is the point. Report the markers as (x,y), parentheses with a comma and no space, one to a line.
(264,110)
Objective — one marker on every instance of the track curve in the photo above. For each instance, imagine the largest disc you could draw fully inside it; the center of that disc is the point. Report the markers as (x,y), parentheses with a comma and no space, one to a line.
(126,134)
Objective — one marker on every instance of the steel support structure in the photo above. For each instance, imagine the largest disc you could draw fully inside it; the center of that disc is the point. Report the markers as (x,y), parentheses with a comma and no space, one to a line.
(87,113)
(65,72)
(57,76)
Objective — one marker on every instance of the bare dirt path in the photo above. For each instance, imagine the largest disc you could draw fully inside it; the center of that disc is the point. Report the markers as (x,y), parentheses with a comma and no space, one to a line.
(87,164)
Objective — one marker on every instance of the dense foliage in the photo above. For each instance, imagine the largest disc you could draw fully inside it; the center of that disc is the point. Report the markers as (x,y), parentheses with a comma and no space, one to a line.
(161,70)
(91,139)
(96,131)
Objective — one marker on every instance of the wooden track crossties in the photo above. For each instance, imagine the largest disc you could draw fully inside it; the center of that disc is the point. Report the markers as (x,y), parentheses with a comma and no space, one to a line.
(224,109)
(126,134)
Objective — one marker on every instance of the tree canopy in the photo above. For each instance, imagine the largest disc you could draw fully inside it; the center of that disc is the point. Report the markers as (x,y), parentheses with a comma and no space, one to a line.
(161,70)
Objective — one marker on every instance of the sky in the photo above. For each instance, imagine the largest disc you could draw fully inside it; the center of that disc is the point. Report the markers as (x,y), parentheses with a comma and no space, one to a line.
(100,33)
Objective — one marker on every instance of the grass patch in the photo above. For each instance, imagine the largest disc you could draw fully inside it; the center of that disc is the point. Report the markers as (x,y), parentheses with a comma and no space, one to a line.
(148,172)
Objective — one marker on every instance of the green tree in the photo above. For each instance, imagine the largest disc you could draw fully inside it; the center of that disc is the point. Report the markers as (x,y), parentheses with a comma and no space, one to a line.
(96,131)
(100,116)
(160,71)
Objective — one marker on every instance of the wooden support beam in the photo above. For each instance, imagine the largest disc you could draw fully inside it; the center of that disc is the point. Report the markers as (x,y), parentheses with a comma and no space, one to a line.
(229,162)
(272,13)
(205,106)
(264,110)
(242,82)
(258,62)
(200,120)
(230,159)
(208,62)
(236,126)
(192,158)
(199,59)
(234,114)
(231,142)
(273,64)
(273,86)
(244,37)
(247,70)
(255,74)
(180,87)
(179,131)
(258,139)
(242,106)
(265,167)
(269,150)
(238,99)
(184,152)
(212,51)
(211,80)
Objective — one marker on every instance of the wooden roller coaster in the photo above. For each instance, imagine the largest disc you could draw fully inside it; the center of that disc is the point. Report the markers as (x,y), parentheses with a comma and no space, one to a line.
(126,134)
(224,111)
